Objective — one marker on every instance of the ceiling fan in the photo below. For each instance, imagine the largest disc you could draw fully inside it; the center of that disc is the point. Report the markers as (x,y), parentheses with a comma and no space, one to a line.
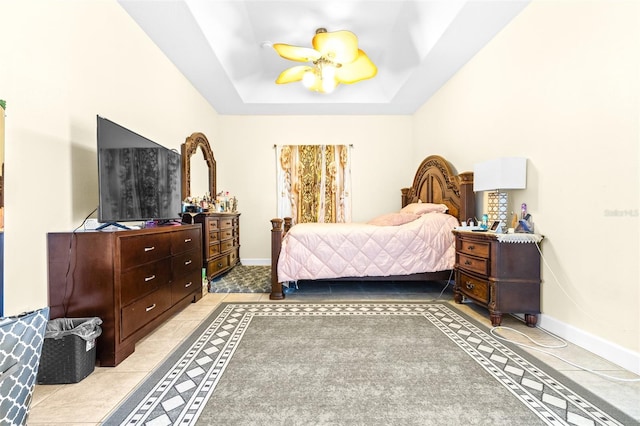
(335,58)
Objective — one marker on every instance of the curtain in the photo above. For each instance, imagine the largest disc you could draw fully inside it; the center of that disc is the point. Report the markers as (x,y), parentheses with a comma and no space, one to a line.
(314,183)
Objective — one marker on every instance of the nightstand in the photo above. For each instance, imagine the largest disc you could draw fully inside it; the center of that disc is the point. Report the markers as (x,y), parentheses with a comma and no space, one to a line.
(500,272)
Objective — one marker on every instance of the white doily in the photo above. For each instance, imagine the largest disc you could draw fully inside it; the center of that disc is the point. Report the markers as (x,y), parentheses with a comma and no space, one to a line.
(519,238)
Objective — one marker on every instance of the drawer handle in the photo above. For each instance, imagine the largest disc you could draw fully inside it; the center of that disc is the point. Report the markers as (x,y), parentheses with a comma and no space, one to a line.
(147,279)
(220,265)
(468,262)
(188,284)
(187,240)
(150,307)
(188,262)
(469,285)
(149,248)
(471,247)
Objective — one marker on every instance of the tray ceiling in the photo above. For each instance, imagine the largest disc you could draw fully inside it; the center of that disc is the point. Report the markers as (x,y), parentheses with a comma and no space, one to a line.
(223,48)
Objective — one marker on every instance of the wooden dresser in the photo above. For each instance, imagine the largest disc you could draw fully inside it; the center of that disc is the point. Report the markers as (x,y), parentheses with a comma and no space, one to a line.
(502,276)
(133,280)
(220,240)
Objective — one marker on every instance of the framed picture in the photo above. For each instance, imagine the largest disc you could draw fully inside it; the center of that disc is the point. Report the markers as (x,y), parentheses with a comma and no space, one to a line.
(495,225)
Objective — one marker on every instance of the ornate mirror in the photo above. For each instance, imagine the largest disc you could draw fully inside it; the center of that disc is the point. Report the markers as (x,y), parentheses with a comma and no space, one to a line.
(198,169)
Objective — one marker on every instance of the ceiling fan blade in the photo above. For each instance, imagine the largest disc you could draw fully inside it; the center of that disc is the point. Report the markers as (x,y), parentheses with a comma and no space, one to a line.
(361,69)
(337,46)
(293,74)
(296,53)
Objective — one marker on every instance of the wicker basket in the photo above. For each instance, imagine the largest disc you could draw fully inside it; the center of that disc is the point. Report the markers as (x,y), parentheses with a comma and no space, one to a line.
(66,360)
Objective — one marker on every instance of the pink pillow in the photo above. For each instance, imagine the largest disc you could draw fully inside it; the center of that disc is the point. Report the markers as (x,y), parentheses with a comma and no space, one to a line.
(422,208)
(393,219)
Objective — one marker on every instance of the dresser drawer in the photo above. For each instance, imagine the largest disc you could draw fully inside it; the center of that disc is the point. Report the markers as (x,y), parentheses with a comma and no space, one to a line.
(473,264)
(140,313)
(214,236)
(226,223)
(476,248)
(139,249)
(226,245)
(144,279)
(214,250)
(183,264)
(185,240)
(186,285)
(212,224)
(474,288)
(234,257)
(217,265)
(225,234)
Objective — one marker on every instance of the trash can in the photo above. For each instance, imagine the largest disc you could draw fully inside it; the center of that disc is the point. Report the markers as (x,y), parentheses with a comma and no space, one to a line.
(69,350)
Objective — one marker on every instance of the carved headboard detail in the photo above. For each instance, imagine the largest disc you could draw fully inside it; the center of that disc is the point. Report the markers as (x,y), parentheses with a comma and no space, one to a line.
(436,181)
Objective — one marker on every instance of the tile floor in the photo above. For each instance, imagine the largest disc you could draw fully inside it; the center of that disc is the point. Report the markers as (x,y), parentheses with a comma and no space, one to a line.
(91,400)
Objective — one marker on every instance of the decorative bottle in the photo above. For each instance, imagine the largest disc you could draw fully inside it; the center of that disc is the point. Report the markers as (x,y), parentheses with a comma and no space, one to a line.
(523,211)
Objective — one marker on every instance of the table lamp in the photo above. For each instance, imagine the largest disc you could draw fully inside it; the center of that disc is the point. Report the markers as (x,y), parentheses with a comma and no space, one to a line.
(497,176)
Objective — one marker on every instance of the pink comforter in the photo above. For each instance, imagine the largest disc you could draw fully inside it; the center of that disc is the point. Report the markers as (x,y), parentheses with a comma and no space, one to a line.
(333,250)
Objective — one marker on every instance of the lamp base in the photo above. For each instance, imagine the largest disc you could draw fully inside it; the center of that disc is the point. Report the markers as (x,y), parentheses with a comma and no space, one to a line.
(497,206)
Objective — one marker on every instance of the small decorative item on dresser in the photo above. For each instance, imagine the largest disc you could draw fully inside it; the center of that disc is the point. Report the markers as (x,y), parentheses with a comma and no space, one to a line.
(500,272)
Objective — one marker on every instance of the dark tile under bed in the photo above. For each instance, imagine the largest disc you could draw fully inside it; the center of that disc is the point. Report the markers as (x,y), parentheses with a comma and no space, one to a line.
(366,290)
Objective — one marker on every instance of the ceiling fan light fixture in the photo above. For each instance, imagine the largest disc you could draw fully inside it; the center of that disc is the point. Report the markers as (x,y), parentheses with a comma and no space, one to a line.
(335,58)
(308,78)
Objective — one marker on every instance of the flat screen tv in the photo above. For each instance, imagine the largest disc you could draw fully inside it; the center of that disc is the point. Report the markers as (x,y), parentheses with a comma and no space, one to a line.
(138,179)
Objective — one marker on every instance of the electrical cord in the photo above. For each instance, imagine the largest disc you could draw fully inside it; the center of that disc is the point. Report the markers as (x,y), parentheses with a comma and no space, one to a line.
(85,219)
(446,285)
(544,261)
(65,298)
(563,344)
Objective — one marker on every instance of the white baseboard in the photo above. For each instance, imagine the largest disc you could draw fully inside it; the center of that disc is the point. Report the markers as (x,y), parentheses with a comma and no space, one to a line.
(625,358)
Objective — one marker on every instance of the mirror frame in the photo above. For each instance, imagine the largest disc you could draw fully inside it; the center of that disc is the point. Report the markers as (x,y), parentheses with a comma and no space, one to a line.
(188,149)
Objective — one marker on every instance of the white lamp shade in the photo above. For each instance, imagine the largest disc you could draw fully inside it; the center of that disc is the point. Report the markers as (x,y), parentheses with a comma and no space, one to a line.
(501,173)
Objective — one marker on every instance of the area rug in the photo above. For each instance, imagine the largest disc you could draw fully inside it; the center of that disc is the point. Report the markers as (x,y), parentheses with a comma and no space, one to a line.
(243,279)
(354,364)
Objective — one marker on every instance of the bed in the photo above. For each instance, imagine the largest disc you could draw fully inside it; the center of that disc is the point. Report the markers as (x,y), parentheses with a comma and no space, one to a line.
(343,251)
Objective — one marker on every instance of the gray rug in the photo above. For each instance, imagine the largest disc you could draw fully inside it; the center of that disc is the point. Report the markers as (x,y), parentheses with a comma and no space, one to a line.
(354,364)
(243,279)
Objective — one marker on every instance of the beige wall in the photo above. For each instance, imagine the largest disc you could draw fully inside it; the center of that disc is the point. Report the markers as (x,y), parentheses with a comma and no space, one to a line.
(246,161)
(73,64)
(63,62)
(560,86)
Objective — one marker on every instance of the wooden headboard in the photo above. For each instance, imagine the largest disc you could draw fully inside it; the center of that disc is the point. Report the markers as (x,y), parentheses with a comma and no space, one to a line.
(436,181)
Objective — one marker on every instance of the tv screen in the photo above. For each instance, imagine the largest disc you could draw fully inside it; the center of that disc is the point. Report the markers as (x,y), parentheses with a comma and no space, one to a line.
(138,179)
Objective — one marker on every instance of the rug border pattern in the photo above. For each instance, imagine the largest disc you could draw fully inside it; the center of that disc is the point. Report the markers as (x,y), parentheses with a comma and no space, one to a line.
(180,394)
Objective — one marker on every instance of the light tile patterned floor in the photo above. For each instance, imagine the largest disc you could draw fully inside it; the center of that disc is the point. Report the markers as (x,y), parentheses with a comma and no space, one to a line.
(91,400)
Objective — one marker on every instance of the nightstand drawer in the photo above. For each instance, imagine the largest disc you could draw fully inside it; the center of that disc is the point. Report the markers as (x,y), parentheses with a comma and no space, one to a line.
(475,248)
(473,264)
(474,288)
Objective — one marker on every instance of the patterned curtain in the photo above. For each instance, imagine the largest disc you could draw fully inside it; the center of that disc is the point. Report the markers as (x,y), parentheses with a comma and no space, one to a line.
(314,183)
